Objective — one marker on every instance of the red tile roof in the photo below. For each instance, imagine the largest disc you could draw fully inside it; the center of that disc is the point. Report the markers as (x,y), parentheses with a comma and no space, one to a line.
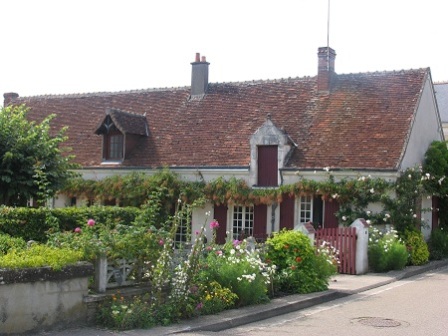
(362,124)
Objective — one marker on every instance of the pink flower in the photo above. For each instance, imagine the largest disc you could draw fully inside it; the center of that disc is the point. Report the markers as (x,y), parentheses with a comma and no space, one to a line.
(214,224)
(236,242)
(90,222)
(199,306)
(197,233)
(208,248)
(219,252)
(161,242)
(78,230)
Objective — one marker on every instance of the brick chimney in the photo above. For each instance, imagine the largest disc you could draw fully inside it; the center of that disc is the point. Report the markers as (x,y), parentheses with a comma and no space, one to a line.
(8,97)
(325,70)
(199,76)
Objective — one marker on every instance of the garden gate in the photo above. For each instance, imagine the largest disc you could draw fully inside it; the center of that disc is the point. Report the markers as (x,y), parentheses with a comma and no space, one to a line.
(344,240)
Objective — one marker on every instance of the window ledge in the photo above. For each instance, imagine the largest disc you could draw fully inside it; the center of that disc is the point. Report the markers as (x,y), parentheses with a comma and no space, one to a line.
(111,163)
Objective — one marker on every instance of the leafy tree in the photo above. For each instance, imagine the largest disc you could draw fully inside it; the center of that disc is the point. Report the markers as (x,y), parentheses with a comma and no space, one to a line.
(32,162)
(436,165)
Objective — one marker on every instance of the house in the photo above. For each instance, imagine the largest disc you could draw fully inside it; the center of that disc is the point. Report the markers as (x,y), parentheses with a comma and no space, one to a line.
(441,91)
(265,132)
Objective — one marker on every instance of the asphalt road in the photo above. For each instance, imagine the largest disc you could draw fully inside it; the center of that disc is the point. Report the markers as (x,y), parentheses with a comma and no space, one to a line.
(413,306)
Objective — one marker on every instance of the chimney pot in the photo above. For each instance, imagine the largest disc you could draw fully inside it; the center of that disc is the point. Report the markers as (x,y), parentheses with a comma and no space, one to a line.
(203,59)
(198,57)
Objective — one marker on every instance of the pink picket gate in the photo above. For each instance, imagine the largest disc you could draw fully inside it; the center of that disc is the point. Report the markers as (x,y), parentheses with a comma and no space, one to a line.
(344,240)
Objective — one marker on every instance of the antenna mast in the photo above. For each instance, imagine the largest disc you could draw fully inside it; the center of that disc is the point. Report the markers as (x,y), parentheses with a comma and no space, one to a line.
(328,25)
(328,36)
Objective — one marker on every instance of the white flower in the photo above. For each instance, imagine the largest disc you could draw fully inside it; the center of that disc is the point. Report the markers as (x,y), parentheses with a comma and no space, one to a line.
(344,218)
(410,176)
(372,191)
(335,195)
(208,213)
(368,212)
(368,221)
(232,251)
(387,215)
(414,215)
(327,169)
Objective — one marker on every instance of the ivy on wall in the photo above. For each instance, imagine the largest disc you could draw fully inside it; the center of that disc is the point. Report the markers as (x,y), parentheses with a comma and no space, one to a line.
(401,200)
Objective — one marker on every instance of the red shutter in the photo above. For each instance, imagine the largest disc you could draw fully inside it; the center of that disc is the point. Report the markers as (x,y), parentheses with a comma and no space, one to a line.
(220,214)
(330,219)
(287,212)
(435,212)
(260,218)
(267,166)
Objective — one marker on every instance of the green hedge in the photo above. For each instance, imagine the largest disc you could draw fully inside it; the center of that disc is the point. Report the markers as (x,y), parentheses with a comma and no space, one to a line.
(34,223)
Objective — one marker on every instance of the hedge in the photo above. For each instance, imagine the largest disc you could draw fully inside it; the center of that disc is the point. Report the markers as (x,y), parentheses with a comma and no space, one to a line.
(34,223)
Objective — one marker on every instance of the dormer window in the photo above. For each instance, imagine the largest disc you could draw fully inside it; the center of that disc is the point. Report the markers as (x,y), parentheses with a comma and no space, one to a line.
(121,131)
(269,149)
(113,146)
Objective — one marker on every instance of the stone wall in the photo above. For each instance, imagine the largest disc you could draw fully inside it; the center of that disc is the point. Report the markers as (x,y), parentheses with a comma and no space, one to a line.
(39,299)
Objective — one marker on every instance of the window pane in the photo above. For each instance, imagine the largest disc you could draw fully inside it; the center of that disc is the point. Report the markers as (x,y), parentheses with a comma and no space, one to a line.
(243,222)
(116,147)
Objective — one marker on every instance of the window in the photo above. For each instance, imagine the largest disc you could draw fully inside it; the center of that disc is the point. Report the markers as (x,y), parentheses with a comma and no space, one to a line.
(113,146)
(243,221)
(184,229)
(182,232)
(305,209)
(267,166)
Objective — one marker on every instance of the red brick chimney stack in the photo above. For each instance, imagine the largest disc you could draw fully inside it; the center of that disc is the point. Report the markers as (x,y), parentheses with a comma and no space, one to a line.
(8,97)
(325,71)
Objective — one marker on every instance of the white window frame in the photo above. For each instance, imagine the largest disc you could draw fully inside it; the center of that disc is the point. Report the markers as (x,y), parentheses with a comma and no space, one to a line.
(304,209)
(242,221)
(183,233)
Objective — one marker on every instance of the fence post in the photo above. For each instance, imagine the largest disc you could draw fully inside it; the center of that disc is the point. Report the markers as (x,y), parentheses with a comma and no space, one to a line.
(100,273)
(308,229)
(362,243)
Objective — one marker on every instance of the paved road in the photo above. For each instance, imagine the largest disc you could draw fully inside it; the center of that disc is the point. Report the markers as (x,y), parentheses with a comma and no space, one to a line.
(414,306)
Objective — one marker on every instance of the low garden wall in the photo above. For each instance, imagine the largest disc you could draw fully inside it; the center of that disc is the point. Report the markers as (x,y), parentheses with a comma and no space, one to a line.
(38,299)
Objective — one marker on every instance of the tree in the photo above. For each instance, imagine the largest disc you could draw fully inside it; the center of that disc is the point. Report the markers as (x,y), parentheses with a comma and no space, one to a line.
(33,164)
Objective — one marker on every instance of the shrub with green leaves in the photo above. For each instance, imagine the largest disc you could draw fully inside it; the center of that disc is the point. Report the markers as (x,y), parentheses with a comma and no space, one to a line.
(386,251)
(8,243)
(215,298)
(240,270)
(417,247)
(300,268)
(123,313)
(438,244)
(38,255)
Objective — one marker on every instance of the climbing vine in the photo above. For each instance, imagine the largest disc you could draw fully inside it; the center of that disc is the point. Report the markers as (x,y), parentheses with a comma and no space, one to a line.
(400,200)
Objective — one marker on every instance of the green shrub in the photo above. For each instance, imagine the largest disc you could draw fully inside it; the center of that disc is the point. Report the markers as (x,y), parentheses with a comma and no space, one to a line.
(438,244)
(38,255)
(300,268)
(214,298)
(36,223)
(27,223)
(123,313)
(8,243)
(386,251)
(241,271)
(417,247)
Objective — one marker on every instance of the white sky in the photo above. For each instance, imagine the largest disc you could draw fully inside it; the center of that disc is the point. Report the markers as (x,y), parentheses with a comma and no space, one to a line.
(78,46)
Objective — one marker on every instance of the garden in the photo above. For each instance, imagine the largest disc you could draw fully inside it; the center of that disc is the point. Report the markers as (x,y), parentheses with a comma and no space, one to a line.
(195,276)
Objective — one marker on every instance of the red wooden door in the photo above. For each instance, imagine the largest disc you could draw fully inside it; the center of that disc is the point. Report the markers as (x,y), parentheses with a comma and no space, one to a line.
(287,212)
(220,214)
(330,219)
